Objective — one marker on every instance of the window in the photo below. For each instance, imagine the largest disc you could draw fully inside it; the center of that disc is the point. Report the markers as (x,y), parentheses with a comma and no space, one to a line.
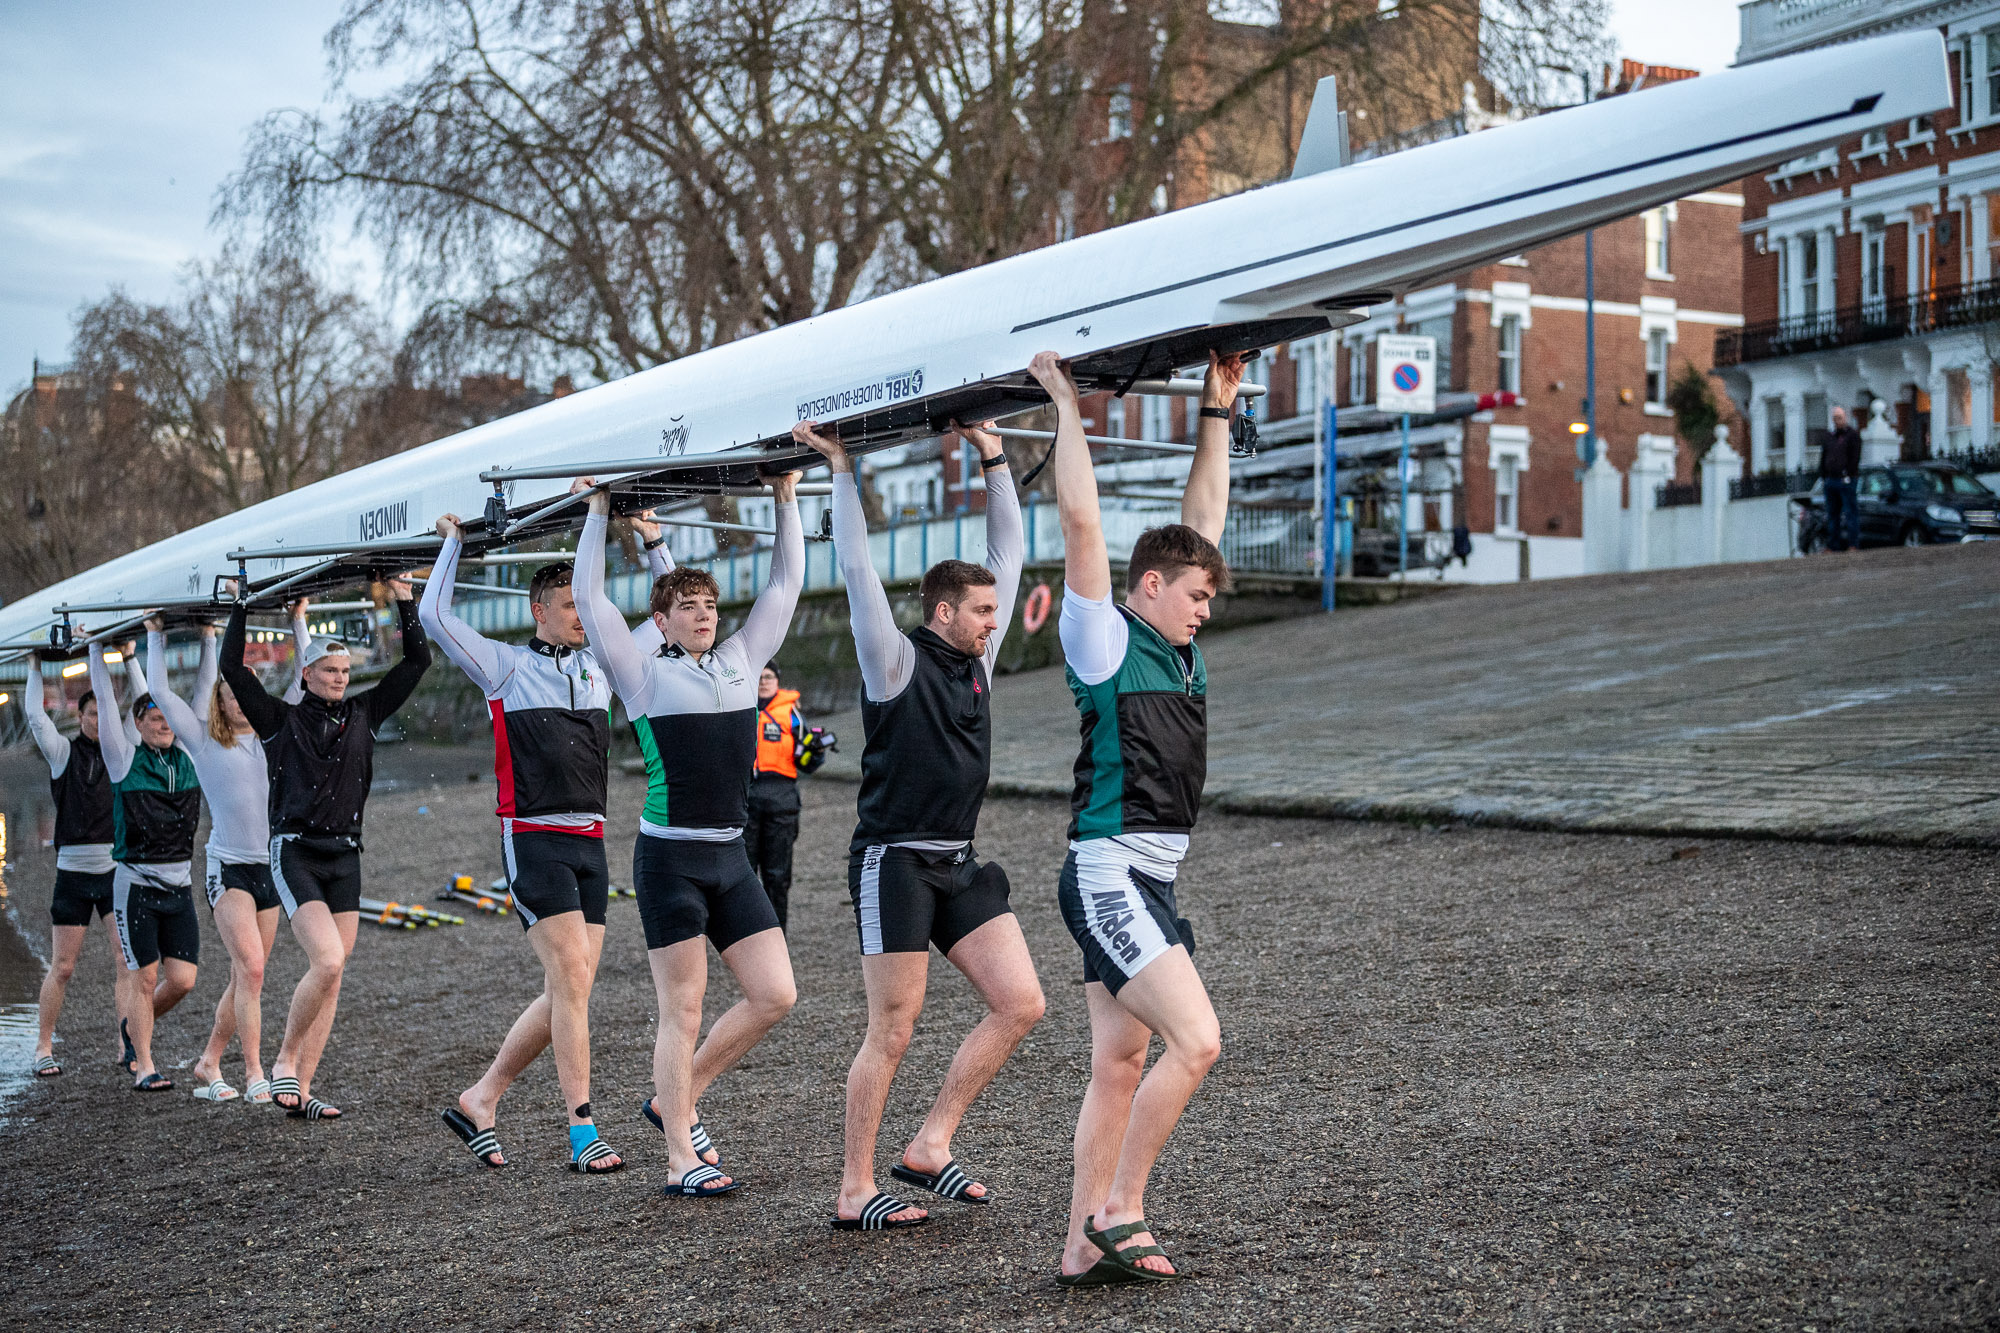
(1510,353)
(1360,360)
(1506,490)
(1305,365)
(1656,368)
(1439,328)
(1993,73)
(1657,251)
(1156,420)
(1784,253)
(1120,119)
(1114,418)
(1818,420)
(1774,425)
(1875,141)
(1809,285)
(1964,102)
(1876,484)
(1873,291)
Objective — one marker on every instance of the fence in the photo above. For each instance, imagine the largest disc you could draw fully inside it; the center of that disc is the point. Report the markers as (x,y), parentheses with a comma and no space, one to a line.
(1262,540)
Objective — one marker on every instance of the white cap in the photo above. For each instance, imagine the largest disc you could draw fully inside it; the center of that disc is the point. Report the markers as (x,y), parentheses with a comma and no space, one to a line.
(319,648)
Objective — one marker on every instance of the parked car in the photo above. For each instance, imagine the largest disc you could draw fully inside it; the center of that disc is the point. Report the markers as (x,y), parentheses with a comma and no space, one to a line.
(1910,504)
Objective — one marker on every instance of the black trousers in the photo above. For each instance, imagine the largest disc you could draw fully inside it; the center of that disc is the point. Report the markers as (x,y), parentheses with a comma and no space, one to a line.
(768,837)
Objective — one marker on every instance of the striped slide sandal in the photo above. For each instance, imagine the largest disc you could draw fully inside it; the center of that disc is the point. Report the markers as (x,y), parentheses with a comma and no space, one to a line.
(481,1143)
(217,1091)
(875,1216)
(950,1183)
(46,1066)
(692,1185)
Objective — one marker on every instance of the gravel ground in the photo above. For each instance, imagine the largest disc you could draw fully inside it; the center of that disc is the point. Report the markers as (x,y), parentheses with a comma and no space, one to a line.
(1480,1077)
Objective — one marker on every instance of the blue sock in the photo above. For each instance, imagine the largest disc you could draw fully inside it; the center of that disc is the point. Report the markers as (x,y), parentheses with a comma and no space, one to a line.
(581,1137)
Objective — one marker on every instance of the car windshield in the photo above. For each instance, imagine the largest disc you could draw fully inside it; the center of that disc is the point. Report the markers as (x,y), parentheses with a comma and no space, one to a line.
(1964,483)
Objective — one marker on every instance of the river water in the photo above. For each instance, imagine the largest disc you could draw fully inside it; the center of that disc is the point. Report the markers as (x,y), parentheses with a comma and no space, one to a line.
(23,822)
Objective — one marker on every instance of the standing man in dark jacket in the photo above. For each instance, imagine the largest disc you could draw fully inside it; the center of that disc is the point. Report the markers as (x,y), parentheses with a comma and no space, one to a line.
(321,755)
(1839,468)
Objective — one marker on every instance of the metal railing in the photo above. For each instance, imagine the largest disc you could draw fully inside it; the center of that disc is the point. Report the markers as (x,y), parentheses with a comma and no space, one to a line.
(1973,460)
(1882,320)
(1677,494)
(1772,483)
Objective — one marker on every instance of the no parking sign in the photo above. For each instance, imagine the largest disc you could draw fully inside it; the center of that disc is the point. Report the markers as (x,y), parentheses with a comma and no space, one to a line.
(1405,373)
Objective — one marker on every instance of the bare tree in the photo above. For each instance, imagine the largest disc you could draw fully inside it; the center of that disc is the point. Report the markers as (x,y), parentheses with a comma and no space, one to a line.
(623,183)
(81,480)
(253,382)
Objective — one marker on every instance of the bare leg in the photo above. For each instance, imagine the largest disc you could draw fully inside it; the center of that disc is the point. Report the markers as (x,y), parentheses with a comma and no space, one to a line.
(65,946)
(569,955)
(762,966)
(995,959)
(346,925)
(236,920)
(1167,997)
(140,1023)
(1118,1044)
(895,983)
(326,957)
(121,979)
(176,982)
(680,980)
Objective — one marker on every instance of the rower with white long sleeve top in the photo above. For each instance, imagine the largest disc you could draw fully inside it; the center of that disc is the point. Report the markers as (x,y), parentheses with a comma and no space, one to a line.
(913,875)
(83,835)
(693,706)
(229,760)
(156,806)
(550,704)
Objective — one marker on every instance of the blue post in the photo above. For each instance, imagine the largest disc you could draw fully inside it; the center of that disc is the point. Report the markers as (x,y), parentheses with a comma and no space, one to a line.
(1330,529)
(958,535)
(924,548)
(1403,505)
(892,546)
(1032,507)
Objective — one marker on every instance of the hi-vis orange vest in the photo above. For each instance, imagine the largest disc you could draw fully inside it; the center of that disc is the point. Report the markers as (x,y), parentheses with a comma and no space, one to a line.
(777,735)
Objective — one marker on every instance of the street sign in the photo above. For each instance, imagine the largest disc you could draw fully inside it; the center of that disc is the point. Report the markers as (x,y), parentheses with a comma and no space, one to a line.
(1405,373)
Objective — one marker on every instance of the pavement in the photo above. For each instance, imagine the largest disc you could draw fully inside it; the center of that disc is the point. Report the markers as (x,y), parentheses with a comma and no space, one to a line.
(1845,698)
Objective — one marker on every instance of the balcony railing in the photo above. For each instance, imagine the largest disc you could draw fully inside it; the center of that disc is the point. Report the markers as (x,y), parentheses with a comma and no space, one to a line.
(1676,494)
(1883,320)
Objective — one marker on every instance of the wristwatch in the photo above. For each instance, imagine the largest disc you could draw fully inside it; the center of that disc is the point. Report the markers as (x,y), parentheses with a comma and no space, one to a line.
(988,464)
(657,542)
(1217,413)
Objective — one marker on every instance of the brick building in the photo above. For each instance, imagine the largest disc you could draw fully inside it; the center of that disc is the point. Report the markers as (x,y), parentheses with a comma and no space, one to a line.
(1868,270)
(1667,283)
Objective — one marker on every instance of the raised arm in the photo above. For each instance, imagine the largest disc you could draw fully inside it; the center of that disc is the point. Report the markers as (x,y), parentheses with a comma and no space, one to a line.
(266,715)
(646,636)
(135,685)
(189,730)
(118,748)
(1205,503)
(1003,530)
(475,654)
(35,707)
(205,674)
(888,659)
(301,640)
(1086,563)
(770,617)
(395,688)
(622,659)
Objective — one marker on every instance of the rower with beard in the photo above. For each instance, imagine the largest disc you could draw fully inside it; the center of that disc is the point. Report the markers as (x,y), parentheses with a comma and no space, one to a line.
(912,872)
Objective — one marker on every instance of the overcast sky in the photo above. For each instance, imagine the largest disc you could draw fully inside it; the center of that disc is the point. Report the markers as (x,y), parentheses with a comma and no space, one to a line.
(118,120)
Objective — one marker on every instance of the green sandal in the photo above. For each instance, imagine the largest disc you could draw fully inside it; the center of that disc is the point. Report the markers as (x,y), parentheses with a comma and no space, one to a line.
(1103,1273)
(1107,1241)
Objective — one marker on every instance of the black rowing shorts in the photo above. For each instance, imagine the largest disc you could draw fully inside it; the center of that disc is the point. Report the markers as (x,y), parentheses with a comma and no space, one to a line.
(688,889)
(906,900)
(553,873)
(316,870)
(154,920)
(254,880)
(78,895)
(1121,917)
